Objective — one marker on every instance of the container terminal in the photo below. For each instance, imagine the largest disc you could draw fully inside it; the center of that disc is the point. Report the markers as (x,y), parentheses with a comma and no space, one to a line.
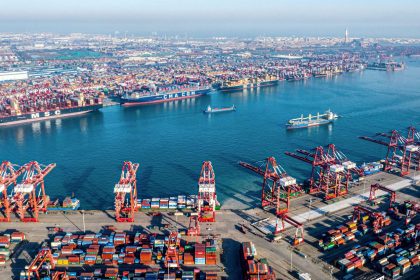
(72,75)
(342,223)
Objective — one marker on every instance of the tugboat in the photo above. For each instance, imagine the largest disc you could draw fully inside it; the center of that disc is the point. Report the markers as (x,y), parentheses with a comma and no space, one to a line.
(318,119)
(211,110)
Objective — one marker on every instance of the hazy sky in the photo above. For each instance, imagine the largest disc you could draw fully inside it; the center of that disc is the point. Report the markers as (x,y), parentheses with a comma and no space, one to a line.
(215,17)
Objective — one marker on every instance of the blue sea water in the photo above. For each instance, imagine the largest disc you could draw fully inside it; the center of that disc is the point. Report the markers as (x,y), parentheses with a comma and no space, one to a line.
(171,140)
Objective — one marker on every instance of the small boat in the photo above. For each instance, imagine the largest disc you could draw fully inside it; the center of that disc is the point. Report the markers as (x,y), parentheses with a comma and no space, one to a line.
(211,110)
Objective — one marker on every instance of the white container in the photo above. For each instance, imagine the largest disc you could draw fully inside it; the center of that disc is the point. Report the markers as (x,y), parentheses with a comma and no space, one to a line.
(412,148)
(122,188)
(349,165)
(336,168)
(287,181)
(207,188)
(24,188)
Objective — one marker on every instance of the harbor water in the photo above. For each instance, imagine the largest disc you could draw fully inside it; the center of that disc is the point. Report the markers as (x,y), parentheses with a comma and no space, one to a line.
(171,140)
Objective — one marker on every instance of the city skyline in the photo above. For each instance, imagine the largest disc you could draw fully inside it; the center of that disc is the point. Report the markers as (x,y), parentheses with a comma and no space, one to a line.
(215,18)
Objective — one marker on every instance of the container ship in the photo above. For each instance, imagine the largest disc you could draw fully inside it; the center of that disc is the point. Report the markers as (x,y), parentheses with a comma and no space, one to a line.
(372,168)
(152,95)
(237,85)
(310,121)
(386,66)
(68,204)
(211,110)
(17,110)
(174,202)
(297,77)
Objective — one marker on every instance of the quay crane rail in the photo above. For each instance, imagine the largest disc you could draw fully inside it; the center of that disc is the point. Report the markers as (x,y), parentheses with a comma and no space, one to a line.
(26,198)
(127,185)
(9,174)
(207,198)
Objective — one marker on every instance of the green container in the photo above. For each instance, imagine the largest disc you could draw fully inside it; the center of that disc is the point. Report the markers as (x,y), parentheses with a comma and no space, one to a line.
(264,261)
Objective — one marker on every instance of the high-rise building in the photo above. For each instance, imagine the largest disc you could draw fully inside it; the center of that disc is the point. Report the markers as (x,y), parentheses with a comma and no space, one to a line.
(346,36)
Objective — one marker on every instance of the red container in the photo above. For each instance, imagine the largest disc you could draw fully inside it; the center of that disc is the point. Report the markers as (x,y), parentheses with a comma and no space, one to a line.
(128,260)
(106,256)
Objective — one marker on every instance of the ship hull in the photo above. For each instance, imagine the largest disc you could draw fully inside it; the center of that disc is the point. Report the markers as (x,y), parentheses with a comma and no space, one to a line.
(249,86)
(48,115)
(127,102)
(308,125)
(219,110)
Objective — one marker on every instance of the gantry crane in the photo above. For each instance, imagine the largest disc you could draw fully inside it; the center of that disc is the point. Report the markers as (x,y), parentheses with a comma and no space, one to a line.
(391,141)
(125,208)
(411,151)
(277,187)
(194,226)
(60,275)
(375,187)
(377,218)
(43,257)
(172,254)
(280,227)
(351,171)
(9,174)
(403,152)
(411,211)
(207,198)
(326,175)
(26,198)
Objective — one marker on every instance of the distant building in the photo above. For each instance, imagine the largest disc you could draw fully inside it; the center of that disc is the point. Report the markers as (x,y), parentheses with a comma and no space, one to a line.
(11,76)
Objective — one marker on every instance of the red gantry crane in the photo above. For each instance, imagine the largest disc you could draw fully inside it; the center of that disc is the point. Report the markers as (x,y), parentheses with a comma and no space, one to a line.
(280,227)
(8,176)
(43,257)
(125,207)
(411,151)
(349,166)
(377,218)
(391,141)
(172,254)
(326,175)
(30,196)
(194,226)
(277,187)
(207,198)
(401,151)
(375,187)
(60,275)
